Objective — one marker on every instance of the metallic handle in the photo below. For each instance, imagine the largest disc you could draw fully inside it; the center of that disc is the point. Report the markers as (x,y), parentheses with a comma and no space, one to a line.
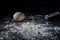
(51,15)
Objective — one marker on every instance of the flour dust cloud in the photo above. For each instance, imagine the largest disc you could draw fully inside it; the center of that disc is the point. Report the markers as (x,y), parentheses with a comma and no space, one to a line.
(32,28)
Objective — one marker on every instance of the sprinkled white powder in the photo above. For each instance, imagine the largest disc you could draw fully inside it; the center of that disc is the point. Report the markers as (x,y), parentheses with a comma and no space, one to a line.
(30,30)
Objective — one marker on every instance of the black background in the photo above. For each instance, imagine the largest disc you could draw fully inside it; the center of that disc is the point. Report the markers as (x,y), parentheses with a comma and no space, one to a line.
(29,7)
